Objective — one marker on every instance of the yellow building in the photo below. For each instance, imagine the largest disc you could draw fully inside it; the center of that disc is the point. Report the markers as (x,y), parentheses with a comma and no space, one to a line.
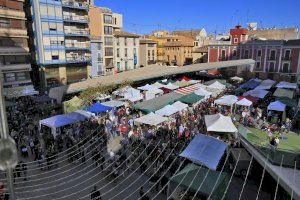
(179,52)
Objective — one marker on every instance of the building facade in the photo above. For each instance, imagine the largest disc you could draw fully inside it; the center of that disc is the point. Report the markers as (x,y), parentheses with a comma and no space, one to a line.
(97,57)
(103,23)
(179,53)
(126,48)
(148,52)
(14,52)
(60,41)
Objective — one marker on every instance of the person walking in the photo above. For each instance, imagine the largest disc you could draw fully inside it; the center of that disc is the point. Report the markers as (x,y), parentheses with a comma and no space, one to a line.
(96,195)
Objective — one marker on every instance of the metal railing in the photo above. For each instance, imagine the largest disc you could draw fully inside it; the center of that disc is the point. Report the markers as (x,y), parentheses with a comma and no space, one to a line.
(77,45)
(75,4)
(77,32)
(78,59)
(76,18)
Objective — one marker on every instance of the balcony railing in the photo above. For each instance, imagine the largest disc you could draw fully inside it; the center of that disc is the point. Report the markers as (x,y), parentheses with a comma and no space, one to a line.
(78,59)
(79,19)
(286,58)
(77,32)
(75,4)
(77,46)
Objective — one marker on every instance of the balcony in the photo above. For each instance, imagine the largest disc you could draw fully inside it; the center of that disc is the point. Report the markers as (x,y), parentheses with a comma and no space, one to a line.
(78,32)
(11,13)
(78,59)
(286,58)
(77,46)
(76,19)
(14,50)
(75,5)
(13,32)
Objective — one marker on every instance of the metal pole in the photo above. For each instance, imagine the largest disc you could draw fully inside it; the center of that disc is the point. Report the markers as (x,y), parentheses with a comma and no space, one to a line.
(5,135)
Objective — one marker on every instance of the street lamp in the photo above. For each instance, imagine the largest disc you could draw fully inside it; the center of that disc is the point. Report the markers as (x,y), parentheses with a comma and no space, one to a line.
(8,150)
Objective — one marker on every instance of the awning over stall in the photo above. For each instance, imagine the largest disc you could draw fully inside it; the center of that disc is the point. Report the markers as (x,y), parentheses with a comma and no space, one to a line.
(280,92)
(168,110)
(98,108)
(277,106)
(217,85)
(287,85)
(256,93)
(180,106)
(227,100)
(244,102)
(114,103)
(191,98)
(151,119)
(219,123)
(265,85)
(251,84)
(73,104)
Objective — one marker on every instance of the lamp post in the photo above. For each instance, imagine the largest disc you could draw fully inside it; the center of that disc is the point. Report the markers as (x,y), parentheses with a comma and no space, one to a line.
(8,150)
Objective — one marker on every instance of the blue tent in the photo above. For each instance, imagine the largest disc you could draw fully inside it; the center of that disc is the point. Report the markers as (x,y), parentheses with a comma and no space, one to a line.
(57,121)
(98,108)
(76,116)
(251,84)
(205,150)
(277,106)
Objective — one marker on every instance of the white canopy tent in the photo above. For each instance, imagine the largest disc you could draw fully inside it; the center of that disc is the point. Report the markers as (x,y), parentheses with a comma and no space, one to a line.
(127,92)
(171,86)
(266,85)
(244,102)
(256,93)
(203,92)
(151,119)
(180,106)
(158,85)
(114,103)
(135,98)
(168,110)
(287,85)
(219,123)
(147,87)
(236,78)
(217,85)
(227,100)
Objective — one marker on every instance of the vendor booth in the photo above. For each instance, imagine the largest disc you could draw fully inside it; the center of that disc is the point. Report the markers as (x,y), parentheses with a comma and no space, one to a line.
(167,111)
(275,109)
(257,93)
(72,105)
(151,119)
(98,108)
(219,123)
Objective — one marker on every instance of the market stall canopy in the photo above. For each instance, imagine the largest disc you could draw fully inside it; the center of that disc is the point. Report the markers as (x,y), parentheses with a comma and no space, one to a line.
(158,85)
(182,83)
(203,92)
(72,105)
(251,84)
(287,101)
(217,85)
(193,81)
(287,85)
(277,106)
(280,92)
(227,100)
(147,87)
(187,90)
(153,105)
(180,106)
(151,119)
(19,91)
(191,98)
(171,86)
(256,93)
(219,123)
(205,150)
(244,102)
(251,98)
(206,182)
(236,78)
(135,98)
(266,85)
(98,108)
(127,92)
(114,103)
(168,110)
(207,83)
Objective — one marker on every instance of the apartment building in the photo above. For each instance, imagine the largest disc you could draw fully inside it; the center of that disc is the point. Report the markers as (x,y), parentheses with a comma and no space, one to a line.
(14,52)
(96,57)
(60,42)
(103,23)
(179,53)
(148,52)
(126,48)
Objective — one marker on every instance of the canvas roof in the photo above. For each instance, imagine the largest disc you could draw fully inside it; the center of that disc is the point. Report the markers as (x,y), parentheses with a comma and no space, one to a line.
(182,83)
(191,98)
(114,103)
(157,103)
(147,87)
(171,86)
(180,106)
(227,100)
(72,105)
(287,85)
(256,93)
(151,119)
(168,110)
(251,84)
(217,85)
(244,102)
(288,101)
(158,85)
(205,150)
(219,123)
(277,106)
(265,85)
(280,92)
(203,92)
(203,180)
(98,108)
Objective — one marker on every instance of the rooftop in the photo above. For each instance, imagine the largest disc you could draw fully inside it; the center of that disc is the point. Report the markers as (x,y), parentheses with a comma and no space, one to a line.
(178,44)
(125,34)
(147,41)
(275,34)
(203,49)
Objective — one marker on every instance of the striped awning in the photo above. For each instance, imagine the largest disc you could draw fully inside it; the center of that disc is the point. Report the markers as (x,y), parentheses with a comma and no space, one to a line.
(187,90)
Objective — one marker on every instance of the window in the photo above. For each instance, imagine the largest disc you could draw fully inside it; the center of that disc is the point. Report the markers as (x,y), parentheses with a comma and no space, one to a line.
(119,66)
(118,53)
(175,58)
(234,53)
(108,41)
(235,40)
(246,54)
(9,77)
(257,66)
(168,58)
(52,26)
(107,30)
(118,41)
(134,41)
(126,65)
(99,46)
(223,54)
(4,22)
(272,55)
(271,67)
(125,41)
(108,51)
(258,53)
(21,76)
(287,54)
(152,45)
(149,52)
(153,52)
(51,11)
(107,19)
(134,51)
(125,52)
(286,67)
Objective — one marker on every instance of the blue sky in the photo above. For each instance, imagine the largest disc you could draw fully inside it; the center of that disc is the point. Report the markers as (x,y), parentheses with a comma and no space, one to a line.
(143,16)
